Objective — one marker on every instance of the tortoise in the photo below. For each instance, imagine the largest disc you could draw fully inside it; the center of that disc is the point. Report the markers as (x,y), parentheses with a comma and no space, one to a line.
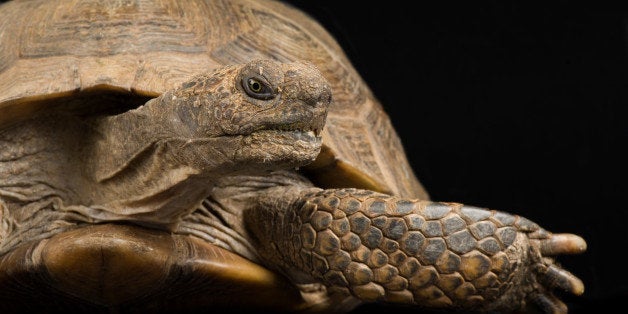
(162,156)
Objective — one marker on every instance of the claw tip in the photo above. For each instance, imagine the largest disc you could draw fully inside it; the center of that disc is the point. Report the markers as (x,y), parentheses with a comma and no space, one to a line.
(577,244)
(580,243)
(578,287)
(564,243)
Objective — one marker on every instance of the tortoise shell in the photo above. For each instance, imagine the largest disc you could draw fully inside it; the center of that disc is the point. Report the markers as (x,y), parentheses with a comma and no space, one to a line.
(85,55)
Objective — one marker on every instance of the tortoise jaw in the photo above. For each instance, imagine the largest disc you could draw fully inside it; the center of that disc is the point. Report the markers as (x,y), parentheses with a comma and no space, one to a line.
(113,265)
(270,150)
(294,135)
(314,125)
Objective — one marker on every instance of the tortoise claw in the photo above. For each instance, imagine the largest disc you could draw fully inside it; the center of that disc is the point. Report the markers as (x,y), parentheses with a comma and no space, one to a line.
(550,275)
(548,303)
(555,276)
(562,243)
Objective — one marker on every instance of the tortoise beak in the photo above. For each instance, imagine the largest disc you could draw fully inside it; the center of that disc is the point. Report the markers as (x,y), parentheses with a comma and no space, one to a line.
(106,266)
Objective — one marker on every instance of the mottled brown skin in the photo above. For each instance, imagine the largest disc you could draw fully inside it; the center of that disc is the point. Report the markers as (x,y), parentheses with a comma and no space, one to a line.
(207,193)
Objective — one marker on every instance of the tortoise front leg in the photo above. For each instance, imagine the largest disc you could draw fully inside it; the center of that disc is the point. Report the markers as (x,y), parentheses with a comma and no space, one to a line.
(378,247)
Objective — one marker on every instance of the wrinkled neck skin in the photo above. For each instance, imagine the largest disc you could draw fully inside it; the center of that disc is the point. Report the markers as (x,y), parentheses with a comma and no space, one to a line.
(220,218)
(153,165)
(222,221)
(69,171)
(157,162)
(58,171)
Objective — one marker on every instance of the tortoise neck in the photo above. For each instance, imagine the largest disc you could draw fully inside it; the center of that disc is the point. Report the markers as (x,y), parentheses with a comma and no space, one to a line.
(142,163)
(132,130)
(126,135)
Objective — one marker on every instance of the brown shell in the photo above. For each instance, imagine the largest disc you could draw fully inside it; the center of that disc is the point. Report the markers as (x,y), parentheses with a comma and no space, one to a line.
(98,268)
(56,53)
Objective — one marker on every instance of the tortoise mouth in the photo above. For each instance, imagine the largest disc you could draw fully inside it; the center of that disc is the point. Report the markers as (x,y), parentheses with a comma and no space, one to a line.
(279,149)
(290,135)
(124,266)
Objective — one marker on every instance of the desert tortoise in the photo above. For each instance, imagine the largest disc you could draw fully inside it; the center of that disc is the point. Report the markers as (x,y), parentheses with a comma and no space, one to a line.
(167,155)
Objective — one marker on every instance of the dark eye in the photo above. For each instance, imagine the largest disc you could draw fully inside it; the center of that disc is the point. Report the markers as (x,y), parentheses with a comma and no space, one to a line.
(257,88)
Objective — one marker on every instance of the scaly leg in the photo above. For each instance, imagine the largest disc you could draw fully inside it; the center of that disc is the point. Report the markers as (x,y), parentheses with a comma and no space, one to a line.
(378,247)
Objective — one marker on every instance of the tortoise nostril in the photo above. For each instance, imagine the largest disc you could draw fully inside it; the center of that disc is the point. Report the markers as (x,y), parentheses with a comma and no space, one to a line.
(327,95)
(322,101)
(322,96)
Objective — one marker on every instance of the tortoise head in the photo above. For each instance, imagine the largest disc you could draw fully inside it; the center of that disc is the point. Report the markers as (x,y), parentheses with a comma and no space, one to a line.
(278,109)
(258,116)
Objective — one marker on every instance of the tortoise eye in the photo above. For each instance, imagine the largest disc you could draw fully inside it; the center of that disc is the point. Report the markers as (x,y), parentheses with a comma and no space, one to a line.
(257,88)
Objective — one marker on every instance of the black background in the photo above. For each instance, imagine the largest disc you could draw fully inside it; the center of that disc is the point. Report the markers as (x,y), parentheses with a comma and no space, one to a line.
(508,105)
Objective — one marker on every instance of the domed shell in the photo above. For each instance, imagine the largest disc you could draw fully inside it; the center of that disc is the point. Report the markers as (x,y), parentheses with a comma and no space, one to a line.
(55,55)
